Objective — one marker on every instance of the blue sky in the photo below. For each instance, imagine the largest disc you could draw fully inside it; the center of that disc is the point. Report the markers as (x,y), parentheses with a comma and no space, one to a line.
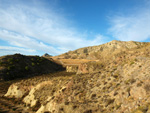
(35,27)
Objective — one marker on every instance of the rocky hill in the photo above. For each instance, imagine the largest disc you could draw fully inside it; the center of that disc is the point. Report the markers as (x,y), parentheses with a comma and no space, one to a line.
(20,66)
(101,51)
(117,82)
(46,55)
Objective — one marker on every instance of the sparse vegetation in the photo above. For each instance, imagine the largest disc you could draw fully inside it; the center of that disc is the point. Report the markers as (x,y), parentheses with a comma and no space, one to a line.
(33,64)
(115,79)
(18,66)
(26,68)
(131,63)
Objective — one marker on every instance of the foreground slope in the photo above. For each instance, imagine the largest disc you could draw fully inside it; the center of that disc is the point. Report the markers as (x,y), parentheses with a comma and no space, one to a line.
(120,83)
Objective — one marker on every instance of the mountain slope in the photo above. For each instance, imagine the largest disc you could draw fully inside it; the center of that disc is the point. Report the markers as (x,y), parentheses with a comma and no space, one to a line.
(118,83)
(101,51)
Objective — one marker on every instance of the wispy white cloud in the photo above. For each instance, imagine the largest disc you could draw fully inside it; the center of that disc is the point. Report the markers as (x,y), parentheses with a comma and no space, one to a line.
(40,29)
(11,50)
(135,26)
(16,39)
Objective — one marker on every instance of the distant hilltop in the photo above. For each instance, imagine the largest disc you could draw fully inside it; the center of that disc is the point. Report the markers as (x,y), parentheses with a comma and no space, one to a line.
(101,51)
(46,55)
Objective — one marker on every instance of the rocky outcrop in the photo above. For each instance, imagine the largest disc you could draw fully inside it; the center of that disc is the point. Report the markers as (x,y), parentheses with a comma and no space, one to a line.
(15,91)
(30,98)
(47,55)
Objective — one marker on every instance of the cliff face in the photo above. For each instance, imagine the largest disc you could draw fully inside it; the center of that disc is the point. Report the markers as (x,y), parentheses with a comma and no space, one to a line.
(118,83)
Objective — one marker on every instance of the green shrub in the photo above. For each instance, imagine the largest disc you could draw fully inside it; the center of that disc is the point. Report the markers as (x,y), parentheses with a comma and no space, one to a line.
(135,60)
(9,68)
(41,59)
(33,64)
(116,75)
(139,84)
(141,109)
(26,68)
(85,50)
(17,60)
(14,109)
(118,106)
(110,101)
(38,58)
(128,89)
(10,60)
(127,81)
(132,63)
(1,63)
